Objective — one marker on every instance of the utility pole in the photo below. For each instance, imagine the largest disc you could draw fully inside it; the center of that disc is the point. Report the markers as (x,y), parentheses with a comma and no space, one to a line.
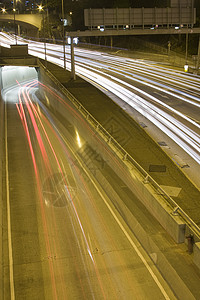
(45,45)
(111,42)
(186,47)
(73,74)
(14,11)
(198,57)
(169,48)
(64,55)
(47,15)
(41,10)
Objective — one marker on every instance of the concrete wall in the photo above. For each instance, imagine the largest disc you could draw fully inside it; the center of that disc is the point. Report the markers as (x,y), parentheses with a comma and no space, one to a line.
(145,192)
(28,20)
(1,182)
(11,74)
(197,254)
(148,195)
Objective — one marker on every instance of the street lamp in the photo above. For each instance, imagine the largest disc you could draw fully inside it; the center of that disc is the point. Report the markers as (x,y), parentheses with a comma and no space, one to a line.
(14,11)
(41,10)
(47,18)
(186,52)
(3,10)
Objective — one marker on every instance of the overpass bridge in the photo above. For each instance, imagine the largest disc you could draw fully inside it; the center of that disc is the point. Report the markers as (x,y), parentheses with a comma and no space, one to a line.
(136,31)
(30,21)
(17,55)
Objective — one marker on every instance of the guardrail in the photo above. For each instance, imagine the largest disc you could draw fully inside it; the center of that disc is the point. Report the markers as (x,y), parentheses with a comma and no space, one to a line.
(125,156)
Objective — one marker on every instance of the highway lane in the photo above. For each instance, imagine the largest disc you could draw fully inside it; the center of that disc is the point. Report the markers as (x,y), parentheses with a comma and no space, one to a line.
(171,81)
(167,98)
(67,239)
(140,71)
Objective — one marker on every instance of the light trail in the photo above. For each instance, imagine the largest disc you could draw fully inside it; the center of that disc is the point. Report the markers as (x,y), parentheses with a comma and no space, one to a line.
(121,83)
(34,114)
(29,109)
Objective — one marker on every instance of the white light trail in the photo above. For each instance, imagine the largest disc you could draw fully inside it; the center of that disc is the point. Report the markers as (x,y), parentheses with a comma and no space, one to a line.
(165,81)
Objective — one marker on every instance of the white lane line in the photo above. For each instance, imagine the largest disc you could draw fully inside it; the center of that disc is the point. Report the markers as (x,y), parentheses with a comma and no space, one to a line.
(10,251)
(162,95)
(141,256)
(153,275)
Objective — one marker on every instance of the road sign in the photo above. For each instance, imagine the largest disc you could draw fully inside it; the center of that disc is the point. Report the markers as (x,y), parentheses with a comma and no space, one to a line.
(129,18)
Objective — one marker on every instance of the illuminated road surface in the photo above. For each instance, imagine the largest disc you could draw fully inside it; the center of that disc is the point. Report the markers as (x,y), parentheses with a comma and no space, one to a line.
(65,237)
(167,98)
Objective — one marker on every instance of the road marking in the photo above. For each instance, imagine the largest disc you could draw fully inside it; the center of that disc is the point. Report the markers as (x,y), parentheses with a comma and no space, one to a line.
(164,96)
(93,82)
(153,275)
(10,251)
(193,119)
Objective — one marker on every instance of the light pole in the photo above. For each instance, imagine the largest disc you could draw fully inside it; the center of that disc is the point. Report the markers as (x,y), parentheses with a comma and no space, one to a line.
(186,51)
(186,46)
(41,10)
(47,18)
(73,74)
(198,57)
(14,11)
(3,10)
(63,16)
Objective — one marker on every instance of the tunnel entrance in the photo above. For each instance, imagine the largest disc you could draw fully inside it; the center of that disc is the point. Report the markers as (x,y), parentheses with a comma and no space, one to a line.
(15,75)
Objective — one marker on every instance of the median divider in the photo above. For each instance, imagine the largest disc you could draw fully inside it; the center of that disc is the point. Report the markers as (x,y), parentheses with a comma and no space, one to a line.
(171,216)
(1,184)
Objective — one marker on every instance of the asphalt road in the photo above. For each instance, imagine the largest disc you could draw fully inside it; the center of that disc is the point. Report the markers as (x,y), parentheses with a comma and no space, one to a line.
(65,237)
(165,97)
(64,241)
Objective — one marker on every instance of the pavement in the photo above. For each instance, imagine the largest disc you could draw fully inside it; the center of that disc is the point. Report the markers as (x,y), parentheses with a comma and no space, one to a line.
(1,187)
(135,141)
(174,261)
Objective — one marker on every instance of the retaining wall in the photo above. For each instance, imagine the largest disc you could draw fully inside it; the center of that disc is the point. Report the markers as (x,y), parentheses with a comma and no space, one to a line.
(152,198)
(174,225)
(11,74)
(1,183)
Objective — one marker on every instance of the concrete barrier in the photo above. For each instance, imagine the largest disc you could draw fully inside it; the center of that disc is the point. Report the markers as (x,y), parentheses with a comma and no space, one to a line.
(162,211)
(1,183)
(14,51)
(151,198)
(196,258)
(19,50)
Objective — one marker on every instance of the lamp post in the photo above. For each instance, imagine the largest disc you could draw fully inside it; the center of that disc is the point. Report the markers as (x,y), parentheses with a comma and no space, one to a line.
(186,46)
(14,11)
(64,55)
(186,51)
(73,74)
(47,16)
(41,10)
(198,57)
(3,10)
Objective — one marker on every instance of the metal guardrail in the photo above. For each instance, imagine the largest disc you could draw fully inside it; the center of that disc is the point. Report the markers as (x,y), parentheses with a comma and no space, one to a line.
(125,156)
